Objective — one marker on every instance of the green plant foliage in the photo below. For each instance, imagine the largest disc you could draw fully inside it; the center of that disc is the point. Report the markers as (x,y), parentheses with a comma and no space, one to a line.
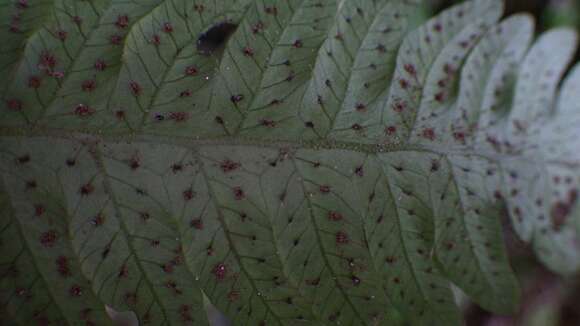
(297,162)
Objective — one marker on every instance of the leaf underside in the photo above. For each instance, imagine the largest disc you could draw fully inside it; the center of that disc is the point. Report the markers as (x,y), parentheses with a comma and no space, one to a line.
(296,161)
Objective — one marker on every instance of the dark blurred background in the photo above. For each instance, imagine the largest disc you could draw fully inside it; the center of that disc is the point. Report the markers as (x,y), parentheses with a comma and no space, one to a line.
(548,299)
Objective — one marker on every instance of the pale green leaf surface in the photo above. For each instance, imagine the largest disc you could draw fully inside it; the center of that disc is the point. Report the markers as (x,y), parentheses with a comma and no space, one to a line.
(322,165)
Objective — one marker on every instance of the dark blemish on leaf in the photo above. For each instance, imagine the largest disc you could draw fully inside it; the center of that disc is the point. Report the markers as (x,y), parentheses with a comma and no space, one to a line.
(86,189)
(309,124)
(75,291)
(159,117)
(236,98)
(106,252)
(215,38)
(31,184)
(324,189)
(271,10)
(435,165)
(359,171)
(23,159)
(356,127)
(355,280)
(134,163)
(268,123)
(188,194)
(185,93)
(381,48)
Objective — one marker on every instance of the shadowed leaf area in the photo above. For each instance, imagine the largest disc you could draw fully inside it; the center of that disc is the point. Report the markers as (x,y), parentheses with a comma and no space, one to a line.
(293,162)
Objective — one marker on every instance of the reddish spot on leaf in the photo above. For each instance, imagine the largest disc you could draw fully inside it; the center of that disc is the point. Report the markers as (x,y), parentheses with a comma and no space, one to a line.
(403,83)
(61,35)
(334,216)
(324,189)
(48,238)
(188,194)
(100,65)
(75,291)
(39,210)
(341,238)
(229,166)
(220,271)
(257,27)
(248,51)
(135,88)
(122,21)
(359,171)
(63,266)
(98,220)
(123,271)
(167,27)
(34,82)
(14,105)
(83,111)
(179,116)
(86,189)
(191,70)
(233,296)
(297,44)
(47,61)
(559,213)
(116,39)
(428,133)
(197,224)
(89,85)
(239,193)
(390,130)
(410,69)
